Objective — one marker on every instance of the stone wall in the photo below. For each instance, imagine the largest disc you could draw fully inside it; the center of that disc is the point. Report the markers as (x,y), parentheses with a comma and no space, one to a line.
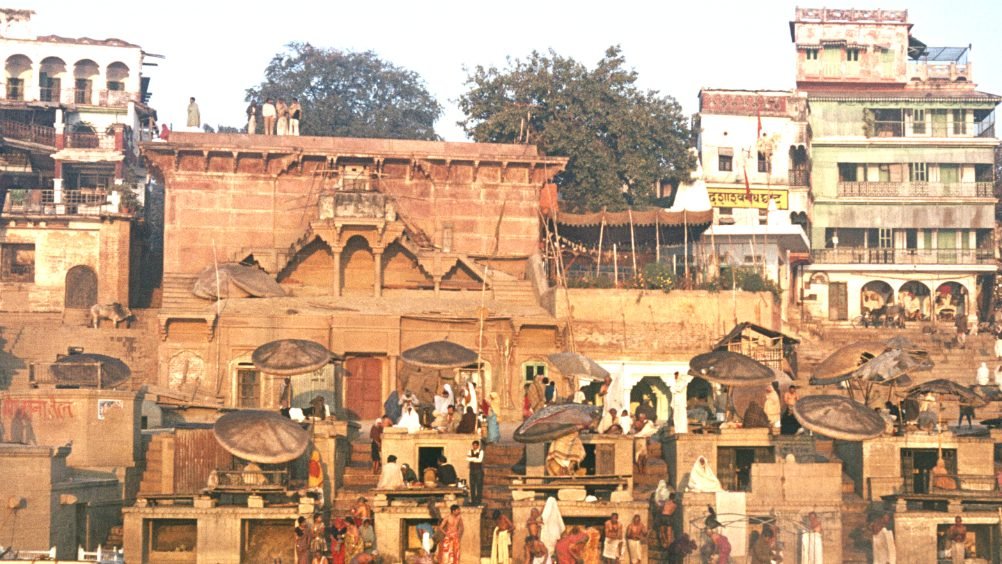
(406,447)
(102,246)
(653,325)
(392,519)
(102,425)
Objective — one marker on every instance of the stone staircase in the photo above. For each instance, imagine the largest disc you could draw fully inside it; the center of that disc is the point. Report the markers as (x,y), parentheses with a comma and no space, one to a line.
(514,292)
(176,295)
(152,477)
(357,480)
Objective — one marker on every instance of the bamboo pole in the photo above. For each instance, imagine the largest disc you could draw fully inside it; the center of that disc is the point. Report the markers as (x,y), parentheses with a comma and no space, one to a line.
(633,246)
(657,237)
(601,233)
(685,222)
(615,265)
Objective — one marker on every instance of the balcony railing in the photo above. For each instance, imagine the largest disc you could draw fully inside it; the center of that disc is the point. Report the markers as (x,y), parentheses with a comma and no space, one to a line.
(73,96)
(39,134)
(903,256)
(42,201)
(915,190)
(89,140)
(800,178)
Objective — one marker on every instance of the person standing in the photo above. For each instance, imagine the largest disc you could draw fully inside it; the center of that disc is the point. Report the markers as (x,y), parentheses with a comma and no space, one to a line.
(501,543)
(958,541)
(318,541)
(476,460)
(549,390)
(811,544)
(268,114)
(613,549)
(983,374)
(376,436)
(721,546)
(283,117)
(764,550)
(636,532)
(884,550)
(251,118)
(452,532)
(679,386)
(194,116)
(295,114)
(302,548)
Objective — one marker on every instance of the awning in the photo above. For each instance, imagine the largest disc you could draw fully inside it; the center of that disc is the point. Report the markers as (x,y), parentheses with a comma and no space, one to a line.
(647,217)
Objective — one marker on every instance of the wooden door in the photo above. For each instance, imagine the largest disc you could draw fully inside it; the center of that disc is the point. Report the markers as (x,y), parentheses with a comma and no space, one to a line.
(363,387)
(81,288)
(838,301)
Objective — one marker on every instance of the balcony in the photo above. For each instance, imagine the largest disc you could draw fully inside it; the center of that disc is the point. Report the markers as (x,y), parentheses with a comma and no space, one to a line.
(90,140)
(38,134)
(355,205)
(915,189)
(72,96)
(43,201)
(903,256)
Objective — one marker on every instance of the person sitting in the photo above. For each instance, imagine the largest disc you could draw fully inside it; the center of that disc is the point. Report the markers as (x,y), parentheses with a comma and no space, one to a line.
(446,473)
(702,478)
(610,423)
(468,424)
(390,477)
(448,421)
(565,455)
(409,476)
(941,479)
(430,477)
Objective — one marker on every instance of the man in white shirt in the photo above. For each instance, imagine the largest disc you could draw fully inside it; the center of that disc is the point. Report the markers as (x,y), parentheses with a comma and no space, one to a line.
(268,113)
(476,460)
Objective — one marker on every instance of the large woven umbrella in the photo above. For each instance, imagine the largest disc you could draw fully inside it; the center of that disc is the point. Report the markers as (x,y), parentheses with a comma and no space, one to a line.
(731,369)
(439,355)
(943,387)
(286,357)
(234,280)
(577,365)
(840,365)
(82,370)
(555,421)
(838,417)
(261,436)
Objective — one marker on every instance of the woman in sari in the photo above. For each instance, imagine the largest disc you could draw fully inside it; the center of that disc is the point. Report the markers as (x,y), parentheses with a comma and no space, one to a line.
(353,543)
(702,478)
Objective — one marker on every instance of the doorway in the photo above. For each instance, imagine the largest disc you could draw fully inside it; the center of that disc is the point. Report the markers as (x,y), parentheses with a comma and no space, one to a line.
(363,389)
(428,458)
(917,465)
(81,288)
(838,301)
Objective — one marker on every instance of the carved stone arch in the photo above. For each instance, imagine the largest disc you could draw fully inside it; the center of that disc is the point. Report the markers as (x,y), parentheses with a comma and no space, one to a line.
(402,269)
(310,270)
(357,264)
(460,277)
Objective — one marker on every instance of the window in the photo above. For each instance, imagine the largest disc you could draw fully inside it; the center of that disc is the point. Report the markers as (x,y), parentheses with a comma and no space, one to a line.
(847,172)
(81,93)
(918,122)
(763,162)
(726,211)
(811,54)
(725,163)
(49,88)
(911,238)
(532,369)
(884,173)
(852,55)
(959,122)
(949,173)
(885,238)
(248,391)
(918,172)
(15,89)
(17,262)
(116,86)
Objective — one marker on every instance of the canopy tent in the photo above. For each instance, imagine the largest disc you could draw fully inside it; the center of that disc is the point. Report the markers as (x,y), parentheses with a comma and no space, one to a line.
(555,421)
(439,355)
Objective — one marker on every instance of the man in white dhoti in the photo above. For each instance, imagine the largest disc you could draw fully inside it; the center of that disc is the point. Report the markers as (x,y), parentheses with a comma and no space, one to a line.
(811,542)
(678,386)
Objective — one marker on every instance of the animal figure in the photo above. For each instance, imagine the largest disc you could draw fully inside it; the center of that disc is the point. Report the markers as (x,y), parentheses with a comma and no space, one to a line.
(115,312)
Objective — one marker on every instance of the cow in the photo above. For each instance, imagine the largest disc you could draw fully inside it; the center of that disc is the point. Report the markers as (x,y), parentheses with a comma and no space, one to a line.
(115,312)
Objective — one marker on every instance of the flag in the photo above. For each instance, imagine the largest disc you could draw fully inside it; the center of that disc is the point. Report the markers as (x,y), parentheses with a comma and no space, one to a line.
(747,184)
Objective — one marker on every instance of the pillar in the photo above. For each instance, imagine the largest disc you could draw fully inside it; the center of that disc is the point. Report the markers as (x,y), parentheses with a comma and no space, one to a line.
(99,86)
(377,281)
(33,89)
(336,251)
(438,284)
(57,185)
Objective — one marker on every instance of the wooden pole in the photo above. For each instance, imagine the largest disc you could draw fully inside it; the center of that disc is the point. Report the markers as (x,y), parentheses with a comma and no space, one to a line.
(615,265)
(685,222)
(657,236)
(633,246)
(601,233)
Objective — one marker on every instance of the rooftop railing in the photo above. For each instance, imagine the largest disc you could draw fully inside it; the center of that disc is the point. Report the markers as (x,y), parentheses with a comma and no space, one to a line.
(852,255)
(43,201)
(915,189)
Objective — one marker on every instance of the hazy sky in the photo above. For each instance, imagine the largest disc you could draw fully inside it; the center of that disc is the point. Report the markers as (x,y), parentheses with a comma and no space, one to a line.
(216,49)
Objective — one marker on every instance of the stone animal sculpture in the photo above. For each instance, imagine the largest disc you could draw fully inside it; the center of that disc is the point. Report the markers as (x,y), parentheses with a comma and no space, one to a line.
(115,312)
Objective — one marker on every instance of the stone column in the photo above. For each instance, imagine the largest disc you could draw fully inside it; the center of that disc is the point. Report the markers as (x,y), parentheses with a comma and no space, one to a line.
(377,281)
(336,251)
(33,90)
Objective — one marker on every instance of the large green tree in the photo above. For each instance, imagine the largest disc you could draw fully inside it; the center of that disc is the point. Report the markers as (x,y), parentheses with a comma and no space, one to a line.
(622,141)
(350,94)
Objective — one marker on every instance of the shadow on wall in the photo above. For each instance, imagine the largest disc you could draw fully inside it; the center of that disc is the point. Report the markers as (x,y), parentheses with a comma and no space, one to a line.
(9,364)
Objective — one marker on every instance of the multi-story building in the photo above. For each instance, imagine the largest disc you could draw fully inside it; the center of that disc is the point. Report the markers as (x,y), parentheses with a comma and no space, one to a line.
(72,112)
(754,152)
(902,169)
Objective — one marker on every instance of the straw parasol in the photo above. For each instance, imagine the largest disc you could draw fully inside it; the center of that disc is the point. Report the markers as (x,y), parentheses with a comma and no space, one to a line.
(261,436)
(439,355)
(577,365)
(943,387)
(82,370)
(555,421)
(838,417)
(234,280)
(840,365)
(731,369)
(287,357)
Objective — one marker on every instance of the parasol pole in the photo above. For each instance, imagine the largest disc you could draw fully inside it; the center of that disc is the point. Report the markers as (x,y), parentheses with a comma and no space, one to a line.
(601,233)
(615,265)
(657,236)
(685,222)
(482,314)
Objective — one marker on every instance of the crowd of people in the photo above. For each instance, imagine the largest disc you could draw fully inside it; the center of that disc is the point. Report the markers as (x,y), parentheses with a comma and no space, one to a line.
(277,117)
(342,540)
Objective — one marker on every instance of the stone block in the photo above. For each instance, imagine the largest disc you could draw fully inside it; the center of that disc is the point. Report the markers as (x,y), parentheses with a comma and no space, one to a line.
(255,502)
(620,496)
(572,494)
(520,495)
(204,502)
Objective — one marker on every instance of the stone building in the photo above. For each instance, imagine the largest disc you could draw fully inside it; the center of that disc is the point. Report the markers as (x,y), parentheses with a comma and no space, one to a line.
(72,113)
(379,245)
(902,169)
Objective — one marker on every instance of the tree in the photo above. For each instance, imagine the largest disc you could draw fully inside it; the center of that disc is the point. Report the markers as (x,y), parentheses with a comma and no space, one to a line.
(622,141)
(349,94)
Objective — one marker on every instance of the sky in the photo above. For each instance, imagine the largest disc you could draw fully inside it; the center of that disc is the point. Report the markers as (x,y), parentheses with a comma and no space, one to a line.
(215,50)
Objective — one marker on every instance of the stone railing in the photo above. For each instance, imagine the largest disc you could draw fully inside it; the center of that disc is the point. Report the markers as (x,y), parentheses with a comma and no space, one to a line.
(843,15)
(903,256)
(915,189)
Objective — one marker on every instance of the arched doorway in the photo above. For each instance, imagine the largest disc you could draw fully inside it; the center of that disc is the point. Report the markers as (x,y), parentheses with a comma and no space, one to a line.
(81,288)
(950,301)
(914,297)
(51,73)
(875,295)
(358,265)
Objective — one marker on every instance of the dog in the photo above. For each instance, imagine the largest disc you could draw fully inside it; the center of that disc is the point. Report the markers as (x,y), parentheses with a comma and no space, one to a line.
(115,312)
